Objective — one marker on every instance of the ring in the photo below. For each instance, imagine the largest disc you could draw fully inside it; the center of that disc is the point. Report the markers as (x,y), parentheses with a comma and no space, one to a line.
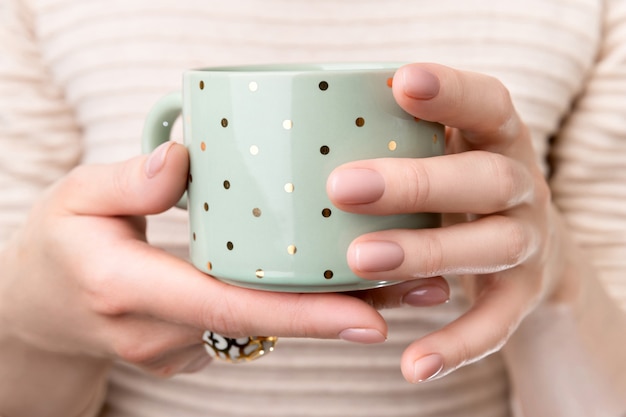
(243,349)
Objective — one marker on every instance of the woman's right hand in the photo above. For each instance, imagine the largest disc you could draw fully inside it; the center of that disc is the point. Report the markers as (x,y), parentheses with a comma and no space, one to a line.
(80,279)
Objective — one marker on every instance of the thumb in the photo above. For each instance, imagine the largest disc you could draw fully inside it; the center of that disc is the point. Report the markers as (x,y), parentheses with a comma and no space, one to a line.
(146,184)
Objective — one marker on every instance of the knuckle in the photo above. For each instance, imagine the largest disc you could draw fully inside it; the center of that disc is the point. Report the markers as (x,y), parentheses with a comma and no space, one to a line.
(542,194)
(503,95)
(433,254)
(509,180)
(104,299)
(136,352)
(505,120)
(464,353)
(122,186)
(417,187)
(299,314)
(236,320)
(516,242)
(502,100)
(223,319)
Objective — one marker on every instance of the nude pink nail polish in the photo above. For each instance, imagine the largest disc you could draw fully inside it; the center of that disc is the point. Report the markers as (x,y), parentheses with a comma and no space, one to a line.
(365,336)
(427,367)
(419,83)
(376,256)
(356,186)
(426,296)
(156,160)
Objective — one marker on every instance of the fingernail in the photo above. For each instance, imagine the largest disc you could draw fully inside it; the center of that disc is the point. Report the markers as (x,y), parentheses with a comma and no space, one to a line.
(156,160)
(366,336)
(376,256)
(427,368)
(419,83)
(426,296)
(356,186)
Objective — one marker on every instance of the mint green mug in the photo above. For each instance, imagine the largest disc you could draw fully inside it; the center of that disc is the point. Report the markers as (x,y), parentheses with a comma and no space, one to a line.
(262,142)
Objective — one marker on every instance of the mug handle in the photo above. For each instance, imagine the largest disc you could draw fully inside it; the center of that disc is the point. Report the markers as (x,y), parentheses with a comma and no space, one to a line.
(158,127)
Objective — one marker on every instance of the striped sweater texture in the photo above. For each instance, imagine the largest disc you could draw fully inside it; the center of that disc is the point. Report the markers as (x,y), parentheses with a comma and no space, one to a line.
(77,78)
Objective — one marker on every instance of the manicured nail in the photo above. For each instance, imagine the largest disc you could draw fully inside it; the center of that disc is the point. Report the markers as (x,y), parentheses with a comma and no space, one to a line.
(426,296)
(376,256)
(427,368)
(365,336)
(356,186)
(156,160)
(419,83)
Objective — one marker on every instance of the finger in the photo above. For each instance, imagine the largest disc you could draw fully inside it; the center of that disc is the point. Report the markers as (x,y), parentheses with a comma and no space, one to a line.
(148,281)
(184,360)
(477,182)
(159,347)
(139,338)
(147,184)
(477,104)
(484,329)
(487,245)
(424,292)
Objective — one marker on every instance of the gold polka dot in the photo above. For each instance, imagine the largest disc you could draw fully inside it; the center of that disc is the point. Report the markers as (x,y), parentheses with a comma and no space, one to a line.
(389,82)
(209,266)
(256,212)
(260,273)
(289,187)
(291,249)
(227,184)
(253,86)
(194,236)
(435,138)
(190,178)
(324,150)
(206,206)
(326,212)
(224,122)
(287,124)
(360,122)
(323,85)
(203,146)
(392,145)
(328,274)
(229,245)
(254,150)
(201,85)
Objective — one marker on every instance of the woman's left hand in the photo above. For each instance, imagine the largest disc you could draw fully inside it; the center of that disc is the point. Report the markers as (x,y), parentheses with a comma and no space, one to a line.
(501,234)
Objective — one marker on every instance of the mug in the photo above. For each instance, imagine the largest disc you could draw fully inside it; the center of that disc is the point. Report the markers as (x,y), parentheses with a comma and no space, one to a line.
(262,141)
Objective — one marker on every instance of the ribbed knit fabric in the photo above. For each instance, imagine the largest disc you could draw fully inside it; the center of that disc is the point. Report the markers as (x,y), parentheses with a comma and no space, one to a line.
(78,76)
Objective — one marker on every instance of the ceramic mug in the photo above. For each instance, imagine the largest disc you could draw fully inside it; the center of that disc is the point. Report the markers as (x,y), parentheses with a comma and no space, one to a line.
(262,142)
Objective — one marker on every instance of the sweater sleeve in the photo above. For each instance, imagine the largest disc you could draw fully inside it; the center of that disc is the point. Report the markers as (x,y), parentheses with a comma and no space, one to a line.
(589,182)
(39,138)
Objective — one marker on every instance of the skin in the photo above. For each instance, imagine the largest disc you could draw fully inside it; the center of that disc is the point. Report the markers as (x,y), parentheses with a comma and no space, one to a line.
(58,269)
(529,283)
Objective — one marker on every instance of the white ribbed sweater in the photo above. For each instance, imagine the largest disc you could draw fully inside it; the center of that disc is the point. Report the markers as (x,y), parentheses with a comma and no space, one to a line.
(78,76)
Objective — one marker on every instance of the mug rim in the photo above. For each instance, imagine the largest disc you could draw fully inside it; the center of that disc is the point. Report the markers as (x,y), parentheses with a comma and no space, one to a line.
(299,68)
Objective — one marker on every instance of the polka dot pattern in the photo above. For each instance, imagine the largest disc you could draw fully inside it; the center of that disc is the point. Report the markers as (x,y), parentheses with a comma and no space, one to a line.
(268,222)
